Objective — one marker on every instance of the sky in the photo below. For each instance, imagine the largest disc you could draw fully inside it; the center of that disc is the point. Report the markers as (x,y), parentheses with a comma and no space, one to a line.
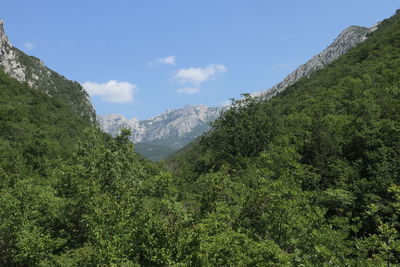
(143,57)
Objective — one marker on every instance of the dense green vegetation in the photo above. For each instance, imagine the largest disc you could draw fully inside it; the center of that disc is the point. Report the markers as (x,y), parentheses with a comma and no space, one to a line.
(153,152)
(37,126)
(159,149)
(314,171)
(309,178)
(56,85)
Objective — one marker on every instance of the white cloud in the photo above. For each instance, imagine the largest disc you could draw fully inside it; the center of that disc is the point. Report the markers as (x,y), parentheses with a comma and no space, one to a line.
(188,90)
(167,60)
(170,60)
(29,45)
(199,75)
(111,91)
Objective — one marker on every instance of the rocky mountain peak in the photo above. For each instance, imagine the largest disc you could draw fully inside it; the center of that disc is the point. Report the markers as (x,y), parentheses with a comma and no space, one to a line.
(3,36)
(173,128)
(9,59)
(2,29)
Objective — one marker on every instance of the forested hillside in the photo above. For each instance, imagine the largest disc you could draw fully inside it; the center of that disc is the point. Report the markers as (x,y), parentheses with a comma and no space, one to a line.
(35,74)
(308,178)
(58,179)
(34,127)
(314,171)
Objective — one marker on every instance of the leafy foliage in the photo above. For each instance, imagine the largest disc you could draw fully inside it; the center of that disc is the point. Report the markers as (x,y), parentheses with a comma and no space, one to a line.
(153,152)
(309,178)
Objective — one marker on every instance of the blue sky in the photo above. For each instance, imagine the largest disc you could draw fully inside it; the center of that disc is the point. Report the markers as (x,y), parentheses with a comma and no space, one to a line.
(140,58)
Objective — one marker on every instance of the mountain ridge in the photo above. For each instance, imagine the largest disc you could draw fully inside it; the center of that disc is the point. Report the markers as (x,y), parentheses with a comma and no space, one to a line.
(346,40)
(173,128)
(31,70)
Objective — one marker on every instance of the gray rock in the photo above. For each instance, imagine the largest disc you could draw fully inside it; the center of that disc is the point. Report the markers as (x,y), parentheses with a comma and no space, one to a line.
(9,59)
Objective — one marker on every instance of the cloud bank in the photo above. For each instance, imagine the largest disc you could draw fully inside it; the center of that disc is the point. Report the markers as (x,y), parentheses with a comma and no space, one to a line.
(111,91)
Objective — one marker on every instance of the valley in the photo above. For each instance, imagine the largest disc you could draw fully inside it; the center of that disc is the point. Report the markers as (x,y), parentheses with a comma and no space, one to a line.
(306,173)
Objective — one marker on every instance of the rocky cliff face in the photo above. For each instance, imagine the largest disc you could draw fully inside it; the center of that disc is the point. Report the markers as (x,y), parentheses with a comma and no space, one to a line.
(113,123)
(9,58)
(32,70)
(346,40)
(173,128)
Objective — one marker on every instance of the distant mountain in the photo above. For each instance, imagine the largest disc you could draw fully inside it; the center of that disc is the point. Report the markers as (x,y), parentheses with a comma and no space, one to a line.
(31,70)
(176,128)
(347,39)
(173,128)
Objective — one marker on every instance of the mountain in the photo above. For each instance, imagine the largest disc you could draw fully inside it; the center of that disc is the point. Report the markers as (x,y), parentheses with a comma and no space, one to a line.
(347,39)
(315,169)
(172,129)
(31,70)
(176,128)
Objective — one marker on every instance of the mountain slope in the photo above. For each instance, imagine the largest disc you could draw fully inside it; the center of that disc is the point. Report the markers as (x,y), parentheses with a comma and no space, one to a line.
(32,70)
(52,163)
(330,142)
(347,39)
(35,129)
(372,65)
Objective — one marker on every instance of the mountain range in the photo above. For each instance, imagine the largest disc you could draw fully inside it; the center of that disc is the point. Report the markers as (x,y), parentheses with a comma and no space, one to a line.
(160,136)
(174,129)
(165,133)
